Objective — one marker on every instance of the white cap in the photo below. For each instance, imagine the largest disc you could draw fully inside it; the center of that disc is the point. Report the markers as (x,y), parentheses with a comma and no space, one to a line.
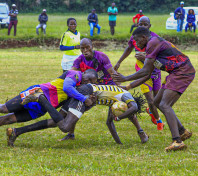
(182,2)
(44,10)
(13,5)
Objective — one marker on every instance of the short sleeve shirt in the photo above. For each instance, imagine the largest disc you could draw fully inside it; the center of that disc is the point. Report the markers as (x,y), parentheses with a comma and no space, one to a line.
(167,56)
(13,12)
(112,10)
(100,62)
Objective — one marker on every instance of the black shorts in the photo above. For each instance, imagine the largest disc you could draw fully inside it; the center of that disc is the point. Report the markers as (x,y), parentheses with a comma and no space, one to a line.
(14,105)
(75,106)
(112,23)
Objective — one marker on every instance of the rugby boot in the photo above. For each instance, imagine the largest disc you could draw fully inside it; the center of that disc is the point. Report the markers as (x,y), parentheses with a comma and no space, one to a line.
(32,97)
(11,136)
(186,135)
(176,146)
(152,116)
(143,136)
(160,126)
(67,137)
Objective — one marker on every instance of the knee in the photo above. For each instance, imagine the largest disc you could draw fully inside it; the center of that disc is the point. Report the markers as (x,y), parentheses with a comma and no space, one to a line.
(3,108)
(163,106)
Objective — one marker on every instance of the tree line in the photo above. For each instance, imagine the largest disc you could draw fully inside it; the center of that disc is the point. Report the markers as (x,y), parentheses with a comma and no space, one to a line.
(68,6)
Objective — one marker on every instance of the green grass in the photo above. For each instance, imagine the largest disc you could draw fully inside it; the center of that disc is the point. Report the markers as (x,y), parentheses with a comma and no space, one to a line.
(26,28)
(94,152)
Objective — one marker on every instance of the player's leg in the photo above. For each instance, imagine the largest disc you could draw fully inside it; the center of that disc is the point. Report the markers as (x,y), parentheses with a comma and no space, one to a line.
(15,27)
(143,136)
(166,109)
(37,28)
(9,27)
(91,29)
(44,28)
(98,27)
(10,107)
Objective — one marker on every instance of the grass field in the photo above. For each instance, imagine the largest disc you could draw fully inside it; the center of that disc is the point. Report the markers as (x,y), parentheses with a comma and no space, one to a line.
(94,152)
(56,26)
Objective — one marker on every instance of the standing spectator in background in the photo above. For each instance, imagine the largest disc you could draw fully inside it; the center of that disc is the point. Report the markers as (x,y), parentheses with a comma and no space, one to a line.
(13,19)
(179,16)
(137,16)
(43,18)
(93,22)
(190,20)
(112,12)
(70,44)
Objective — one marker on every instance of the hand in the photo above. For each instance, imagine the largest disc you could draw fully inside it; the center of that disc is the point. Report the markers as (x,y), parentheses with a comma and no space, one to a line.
(77,47)
(117,66)
(116,119)
(140,56)
(93,97)
(117,77)
(88,102)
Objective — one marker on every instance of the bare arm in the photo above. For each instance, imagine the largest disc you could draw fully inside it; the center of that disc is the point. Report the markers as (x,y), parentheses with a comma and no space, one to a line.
(126,53)
(145,71)
(112,128)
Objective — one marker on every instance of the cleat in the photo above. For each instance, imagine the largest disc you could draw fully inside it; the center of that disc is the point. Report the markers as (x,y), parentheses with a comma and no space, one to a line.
(143,136)
(32,97)
(160,126)
(11,136)
(152,116)
(176,146)
(68,137)
(186,135)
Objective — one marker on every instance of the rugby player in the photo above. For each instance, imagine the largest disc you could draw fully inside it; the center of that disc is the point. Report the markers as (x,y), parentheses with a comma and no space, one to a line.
(106,95)
(56,92)
(164,56)
(151,87)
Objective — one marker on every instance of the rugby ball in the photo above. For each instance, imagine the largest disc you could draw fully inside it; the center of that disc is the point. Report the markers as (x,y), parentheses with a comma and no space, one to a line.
(119,108)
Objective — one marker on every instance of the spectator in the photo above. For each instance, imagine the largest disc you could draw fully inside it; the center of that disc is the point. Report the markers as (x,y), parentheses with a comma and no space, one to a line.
(112,12)
(93,22)
(13,19)
(191,20)
(70,44)
(179,16)
(138,16)
(43,18)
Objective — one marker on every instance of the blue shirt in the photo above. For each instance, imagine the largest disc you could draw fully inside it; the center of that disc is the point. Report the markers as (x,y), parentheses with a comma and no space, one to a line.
(191,18)
(180,10)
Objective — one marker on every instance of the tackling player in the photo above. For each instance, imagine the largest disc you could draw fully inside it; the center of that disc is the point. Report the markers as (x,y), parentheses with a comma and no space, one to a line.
(164,56)
(56,92)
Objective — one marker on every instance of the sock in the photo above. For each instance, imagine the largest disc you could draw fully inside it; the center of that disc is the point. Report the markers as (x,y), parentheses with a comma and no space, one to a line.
(55,115)
(181,130)
(141,130)
(178,139)
(33,127)
(159,121)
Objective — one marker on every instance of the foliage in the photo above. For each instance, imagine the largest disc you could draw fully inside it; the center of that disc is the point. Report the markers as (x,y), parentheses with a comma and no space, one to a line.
(62,6)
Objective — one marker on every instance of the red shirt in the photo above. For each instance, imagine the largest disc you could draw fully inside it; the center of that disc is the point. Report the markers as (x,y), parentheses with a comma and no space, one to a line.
(138,16)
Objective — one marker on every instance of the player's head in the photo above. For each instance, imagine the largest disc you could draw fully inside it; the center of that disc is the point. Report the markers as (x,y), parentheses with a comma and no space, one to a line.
(72,24)
(191,11)
(144,22)
(141,35)
(89,76)
(140,11)
(86,48)
(113,5)
(139,99)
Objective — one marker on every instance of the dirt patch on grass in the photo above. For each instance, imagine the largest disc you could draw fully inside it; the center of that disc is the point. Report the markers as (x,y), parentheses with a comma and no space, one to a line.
(98,44)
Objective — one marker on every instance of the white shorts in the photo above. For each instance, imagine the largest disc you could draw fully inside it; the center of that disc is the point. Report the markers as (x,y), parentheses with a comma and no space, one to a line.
(67,61)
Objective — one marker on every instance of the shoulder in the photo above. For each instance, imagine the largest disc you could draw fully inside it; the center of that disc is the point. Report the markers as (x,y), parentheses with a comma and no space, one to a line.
(154,34)
(99,54)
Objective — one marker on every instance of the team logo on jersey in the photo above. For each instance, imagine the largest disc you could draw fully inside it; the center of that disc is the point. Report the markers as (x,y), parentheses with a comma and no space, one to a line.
(77,77)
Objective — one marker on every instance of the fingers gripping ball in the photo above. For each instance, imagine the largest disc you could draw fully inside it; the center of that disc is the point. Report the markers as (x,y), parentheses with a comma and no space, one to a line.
(119,108)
